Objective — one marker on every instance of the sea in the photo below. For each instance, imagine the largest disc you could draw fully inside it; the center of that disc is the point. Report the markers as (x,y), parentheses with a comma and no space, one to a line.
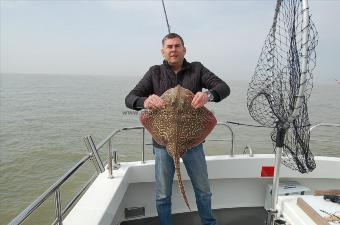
(44,118)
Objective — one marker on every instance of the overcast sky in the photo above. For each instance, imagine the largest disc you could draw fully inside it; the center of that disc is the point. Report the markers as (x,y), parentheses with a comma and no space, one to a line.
(123,37)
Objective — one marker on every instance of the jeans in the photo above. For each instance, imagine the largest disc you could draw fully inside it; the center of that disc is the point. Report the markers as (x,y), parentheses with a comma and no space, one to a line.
(196,166)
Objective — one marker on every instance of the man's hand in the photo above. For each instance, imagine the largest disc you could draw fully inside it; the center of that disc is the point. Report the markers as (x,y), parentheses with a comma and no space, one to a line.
(153,102)
(199,100)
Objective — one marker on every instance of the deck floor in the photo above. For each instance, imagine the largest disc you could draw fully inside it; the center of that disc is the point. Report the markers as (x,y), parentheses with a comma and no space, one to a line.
(234,216)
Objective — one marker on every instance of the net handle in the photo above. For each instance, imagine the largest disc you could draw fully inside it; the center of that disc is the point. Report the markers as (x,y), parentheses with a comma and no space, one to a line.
(298,102)
(304,60)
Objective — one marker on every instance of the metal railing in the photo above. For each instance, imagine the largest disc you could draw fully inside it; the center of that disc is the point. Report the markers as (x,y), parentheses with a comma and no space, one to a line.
(55,189)
(110,155)
(323,125)
(232,136)
(99,165)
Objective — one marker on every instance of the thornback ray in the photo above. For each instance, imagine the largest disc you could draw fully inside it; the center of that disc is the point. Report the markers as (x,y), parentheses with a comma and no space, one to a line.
(178,126)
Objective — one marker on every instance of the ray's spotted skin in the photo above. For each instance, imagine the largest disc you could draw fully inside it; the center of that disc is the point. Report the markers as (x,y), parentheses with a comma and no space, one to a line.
(178,126)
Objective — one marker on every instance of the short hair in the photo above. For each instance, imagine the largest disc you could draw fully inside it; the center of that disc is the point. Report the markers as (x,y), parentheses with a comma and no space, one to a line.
(170,36)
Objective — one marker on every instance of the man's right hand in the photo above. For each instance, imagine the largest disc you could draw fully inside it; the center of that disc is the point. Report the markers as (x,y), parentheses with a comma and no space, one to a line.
(153,102)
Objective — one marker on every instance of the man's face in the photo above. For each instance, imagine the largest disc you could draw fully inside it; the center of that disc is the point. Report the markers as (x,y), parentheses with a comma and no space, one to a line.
(173,51)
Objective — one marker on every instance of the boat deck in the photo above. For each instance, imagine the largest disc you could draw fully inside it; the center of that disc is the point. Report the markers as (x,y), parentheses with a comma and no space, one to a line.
(233,216)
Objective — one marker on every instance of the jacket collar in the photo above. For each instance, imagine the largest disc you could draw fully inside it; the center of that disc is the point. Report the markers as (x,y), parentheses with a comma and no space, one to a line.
(186,65)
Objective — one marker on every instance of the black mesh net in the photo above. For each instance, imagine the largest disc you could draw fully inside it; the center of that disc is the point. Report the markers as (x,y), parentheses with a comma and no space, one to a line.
(275,85)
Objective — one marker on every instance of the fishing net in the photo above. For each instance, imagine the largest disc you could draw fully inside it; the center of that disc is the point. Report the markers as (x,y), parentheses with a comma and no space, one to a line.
(274,87)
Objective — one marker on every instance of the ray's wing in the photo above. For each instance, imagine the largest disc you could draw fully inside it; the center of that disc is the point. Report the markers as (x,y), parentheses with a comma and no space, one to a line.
(196,125)
(153,121)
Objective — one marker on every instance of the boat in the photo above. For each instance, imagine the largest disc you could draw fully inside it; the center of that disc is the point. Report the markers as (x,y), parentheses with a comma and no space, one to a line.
(122,193)
(244,193)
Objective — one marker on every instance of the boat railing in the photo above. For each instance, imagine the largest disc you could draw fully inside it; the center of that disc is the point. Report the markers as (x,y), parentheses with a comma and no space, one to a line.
(112,154)
(55,189)
(323,125)
(99,165)
(93,155)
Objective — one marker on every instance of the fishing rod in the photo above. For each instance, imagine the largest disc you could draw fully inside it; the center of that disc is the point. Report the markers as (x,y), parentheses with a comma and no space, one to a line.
(166,17)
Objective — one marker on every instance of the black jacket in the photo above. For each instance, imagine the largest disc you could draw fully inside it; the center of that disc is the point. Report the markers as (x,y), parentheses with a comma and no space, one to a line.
(193,76)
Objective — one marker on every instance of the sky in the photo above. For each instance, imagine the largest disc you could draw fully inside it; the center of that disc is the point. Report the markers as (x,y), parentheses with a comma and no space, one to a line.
(123,38)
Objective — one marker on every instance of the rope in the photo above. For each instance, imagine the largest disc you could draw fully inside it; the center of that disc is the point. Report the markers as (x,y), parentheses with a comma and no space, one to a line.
(244,124)
(251,125)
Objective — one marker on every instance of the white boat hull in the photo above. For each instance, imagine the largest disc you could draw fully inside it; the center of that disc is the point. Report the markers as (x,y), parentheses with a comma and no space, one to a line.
(235,182)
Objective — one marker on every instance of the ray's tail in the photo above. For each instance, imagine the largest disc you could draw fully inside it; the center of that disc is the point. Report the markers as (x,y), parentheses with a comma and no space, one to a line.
(180,181)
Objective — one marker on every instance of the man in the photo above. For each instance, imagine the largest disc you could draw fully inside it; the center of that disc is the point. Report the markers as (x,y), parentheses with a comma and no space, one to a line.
(146,95)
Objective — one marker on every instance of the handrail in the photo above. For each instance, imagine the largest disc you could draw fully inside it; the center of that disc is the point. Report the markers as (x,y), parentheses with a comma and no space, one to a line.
(53,189)
(324,125)
(109,137)
(74,199)
(232,136)
(101,144)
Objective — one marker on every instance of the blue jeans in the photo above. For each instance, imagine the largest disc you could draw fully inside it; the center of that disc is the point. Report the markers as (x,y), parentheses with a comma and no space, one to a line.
(196,166)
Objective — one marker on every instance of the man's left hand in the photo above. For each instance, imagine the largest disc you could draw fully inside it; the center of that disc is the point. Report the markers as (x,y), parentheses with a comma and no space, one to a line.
(199,100)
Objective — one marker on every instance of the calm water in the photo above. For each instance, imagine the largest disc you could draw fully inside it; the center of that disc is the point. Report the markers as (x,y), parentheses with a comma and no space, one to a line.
(43,119)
